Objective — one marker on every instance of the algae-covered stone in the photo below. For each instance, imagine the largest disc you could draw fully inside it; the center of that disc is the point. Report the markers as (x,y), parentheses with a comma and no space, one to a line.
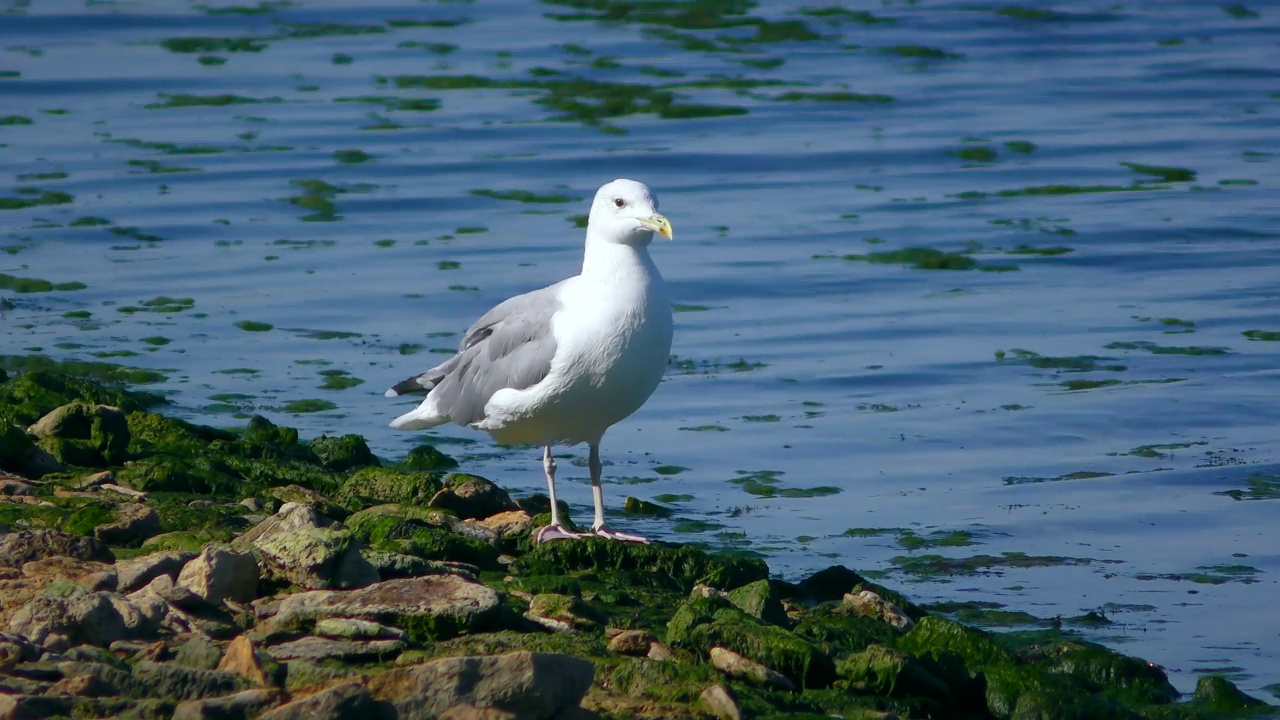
(978,649)
(703,623)
(736,666)
(762,600)
(316,558)
(221,573)
(130,524)
(374,485)
(1026,691)
(84,434)
(31,395)
(16,447)
(880,670)
(1216,693)
(844,634)
(306,496)
(1093,667)
(23,546)
(426,458)
(342,453)
(658,565)
(421,532)
(471,497)
(563,612)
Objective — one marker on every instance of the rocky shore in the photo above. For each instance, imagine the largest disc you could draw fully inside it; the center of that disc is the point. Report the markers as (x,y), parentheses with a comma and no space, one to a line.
(154,568)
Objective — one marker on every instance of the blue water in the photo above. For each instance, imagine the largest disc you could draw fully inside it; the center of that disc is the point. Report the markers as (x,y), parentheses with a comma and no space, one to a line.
(881,382)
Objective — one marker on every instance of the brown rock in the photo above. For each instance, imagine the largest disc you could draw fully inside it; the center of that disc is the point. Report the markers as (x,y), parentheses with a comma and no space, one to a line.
(512,523)
(471,712)
(98,618)
(241,659)
(34,707)
(244,704)
(533,686)
(220,573)
(472,497)
(24,546)
(316,648)
(734,665)
(632,642)
(872,605)
(134,522)
(720,701)
(138,572)
(344,701)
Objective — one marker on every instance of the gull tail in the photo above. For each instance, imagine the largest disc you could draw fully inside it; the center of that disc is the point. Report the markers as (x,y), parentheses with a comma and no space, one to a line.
(420,418)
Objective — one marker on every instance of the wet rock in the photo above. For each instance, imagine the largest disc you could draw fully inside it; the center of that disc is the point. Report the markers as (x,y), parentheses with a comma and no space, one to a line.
(830,584)
(15,649)
(531,685)
(869,604)
(242,659)
(373,486)
(426,458)
(316,558)
(133,523)
(660,653)
(428,533)
(471,497)
(657,565)
(886,672)
(352,629)
(220,573)
(427,608)
(99,618)
(138,572)
(239,706)
(84,434)
(720,702)
(1217,693)
(11,486)
(343,453)
(704,623)
(23,546)
(509,524)
(632,642)
(760,599)
(344,701)
(1092,665)
(318,648)
(93,480)
(562,613)
(736,666)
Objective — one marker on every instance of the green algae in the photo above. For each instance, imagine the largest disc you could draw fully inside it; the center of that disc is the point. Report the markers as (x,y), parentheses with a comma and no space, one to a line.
(35,285)
(909,540)
(1239,12)
(29,197)
(1262,335)
(833,97)
(44,372)
(1019,12)
(9,120)
(1210,575)
(976,153)
(254,326)
(1077,363)
(1262,486)
(205,44)
(931,565)
(1163,173)
(658,565)
(1078,475)
(922,258)
(351,157)
(309,405)
(184,100)
(525,196)
(1161,451)
(1167,349)
(338,380)
(1022,147)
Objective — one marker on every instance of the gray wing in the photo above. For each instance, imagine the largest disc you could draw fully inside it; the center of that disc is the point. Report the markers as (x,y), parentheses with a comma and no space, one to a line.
(510,347)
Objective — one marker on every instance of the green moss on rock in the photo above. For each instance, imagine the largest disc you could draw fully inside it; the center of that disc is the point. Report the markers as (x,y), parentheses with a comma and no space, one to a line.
(426,458)
(374,485)
(657,565)
(879,670)
(342,453)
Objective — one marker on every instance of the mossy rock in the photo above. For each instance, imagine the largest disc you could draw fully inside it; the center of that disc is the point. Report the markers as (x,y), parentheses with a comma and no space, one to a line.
(177,514)
(879,670)
(840,634)
(84,435)
(761,599)
(393,522)
(703,623)
(152,432)
(426,458)
(264,440)
(1130,680)
(87,517)
(179,473)
(342,453)
(1218,694)
(1026,691)
(190,540)
(978,649)
(435,543)
(829,584)
(658,565)
(373,485)
(32,395)
(307,496)
(679,682)
(15,447)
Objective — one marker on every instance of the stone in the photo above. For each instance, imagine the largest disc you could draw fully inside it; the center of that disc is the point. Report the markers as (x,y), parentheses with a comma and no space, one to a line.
(736,666)
(31,707)
(562,613)
(291,516)
(84,434)
(395,565)
(99,618)
(721,702)
(318,648)
(93,480)
(471,497)
(352,629)
(316,558)
(660,653)
(239,706)
(533,686)
(509,524)
(134,522)
(24,546)
(15,649)
(428,608)
(298,495)
(762,600)
(632,642)
(220,573)
(182,683)
(122,490)
(344,701)
(884,671)
(137,573)
(870,604)
(199,652)
(242,659)
(11,486)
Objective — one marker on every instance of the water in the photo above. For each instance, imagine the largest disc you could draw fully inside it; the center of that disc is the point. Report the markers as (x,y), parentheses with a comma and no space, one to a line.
(903,403)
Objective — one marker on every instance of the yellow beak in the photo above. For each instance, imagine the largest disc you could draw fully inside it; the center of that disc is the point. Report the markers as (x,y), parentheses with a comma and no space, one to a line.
(659,224)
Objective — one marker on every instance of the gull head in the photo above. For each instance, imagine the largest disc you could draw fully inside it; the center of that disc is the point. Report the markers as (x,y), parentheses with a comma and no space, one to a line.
(626,212)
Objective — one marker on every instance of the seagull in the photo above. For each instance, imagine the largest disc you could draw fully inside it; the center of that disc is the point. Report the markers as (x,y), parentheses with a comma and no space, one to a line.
(563,364)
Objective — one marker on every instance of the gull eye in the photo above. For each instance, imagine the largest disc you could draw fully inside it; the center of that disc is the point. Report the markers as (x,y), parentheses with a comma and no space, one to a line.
(619,202)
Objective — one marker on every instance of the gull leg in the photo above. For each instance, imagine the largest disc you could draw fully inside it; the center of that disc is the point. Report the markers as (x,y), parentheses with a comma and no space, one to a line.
(597,493)
(554,531)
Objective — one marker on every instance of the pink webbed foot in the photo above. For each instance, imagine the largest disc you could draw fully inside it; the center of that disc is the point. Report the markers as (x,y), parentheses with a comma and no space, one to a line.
(608,534)
(557,532)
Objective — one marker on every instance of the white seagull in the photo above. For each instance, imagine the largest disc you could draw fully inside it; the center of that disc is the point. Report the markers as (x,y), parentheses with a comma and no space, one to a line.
(565,363)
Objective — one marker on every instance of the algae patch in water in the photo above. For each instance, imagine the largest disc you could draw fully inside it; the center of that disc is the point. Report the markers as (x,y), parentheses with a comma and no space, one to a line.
(338,380)
(92,369)
(833,97)
(1072,363)
(931,565)
(254,326)
(1164,173)
(29,197)
(526,196)
(351,157)
(1167,349)
(299,407)
(1262,335)
(1210,575)
(183,100)
(766,484)
(159,304)
(1022,147)
(924,258)
(976,153)
(1262,486)
(1078,475)
(205,44)
(35,285)
(1161,451)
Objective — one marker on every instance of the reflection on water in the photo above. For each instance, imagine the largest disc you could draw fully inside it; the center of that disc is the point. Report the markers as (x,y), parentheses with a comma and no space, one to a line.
(982,299)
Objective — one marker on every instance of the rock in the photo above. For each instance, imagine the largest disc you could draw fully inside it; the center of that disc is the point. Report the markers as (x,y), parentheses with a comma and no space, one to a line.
(644,508)
(721,702)
(884,671)
(180,683)
(32,707)
(562,613)
(352,629)
(23,546)
(395,565)
(534,686)
(199,652)
(15,649)
(701,624)
(344,701)
(84,434)
(343,453)
(736,666)
(122,490)
(99,618)
(138,572)
(220,573)
(105,580)
(315,558)
(509,524)
(240,706)
(831,583)
(471,497)
(760,599)
(289,518)
(870,604)
(134,522)
(656,565)
(660,653)
(93,480)
(11,486)
(632,642)
(471,712)
(242,659)
(429,608)
(317,648)
(426,458)
(296,494)
(1218,693)
(376,485)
